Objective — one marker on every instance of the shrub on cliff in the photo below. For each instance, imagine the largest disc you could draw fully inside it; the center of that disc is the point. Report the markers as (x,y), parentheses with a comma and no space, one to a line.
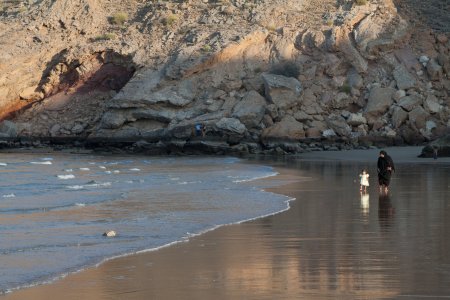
(361,2)
(170,20)
(104,37)
(118,18)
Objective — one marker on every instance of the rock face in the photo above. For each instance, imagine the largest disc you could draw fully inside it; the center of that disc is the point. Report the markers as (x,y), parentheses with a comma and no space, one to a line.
(440,146)
(282,91)
(141,75)
(380,100)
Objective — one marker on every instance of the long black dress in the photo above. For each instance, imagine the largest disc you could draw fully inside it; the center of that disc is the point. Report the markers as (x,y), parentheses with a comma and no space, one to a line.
(385,168)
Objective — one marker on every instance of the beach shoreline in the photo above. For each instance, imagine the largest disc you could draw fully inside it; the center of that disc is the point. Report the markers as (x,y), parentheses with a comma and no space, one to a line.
(226,263)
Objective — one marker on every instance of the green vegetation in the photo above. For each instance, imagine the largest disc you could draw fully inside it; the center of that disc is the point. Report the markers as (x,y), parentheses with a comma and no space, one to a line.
(271,27)
(206,48)
(170,20)
(118,18)
(345,89)
(105,37)
(361,2)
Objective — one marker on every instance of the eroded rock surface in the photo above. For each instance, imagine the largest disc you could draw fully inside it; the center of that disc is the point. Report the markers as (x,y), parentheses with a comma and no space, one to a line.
(270,76)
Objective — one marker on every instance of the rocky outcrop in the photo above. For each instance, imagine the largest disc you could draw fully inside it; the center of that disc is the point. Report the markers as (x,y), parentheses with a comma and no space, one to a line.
(142,75)
(440,147)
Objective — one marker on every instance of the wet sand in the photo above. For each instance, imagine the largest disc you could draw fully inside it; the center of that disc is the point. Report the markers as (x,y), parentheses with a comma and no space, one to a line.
(334,243)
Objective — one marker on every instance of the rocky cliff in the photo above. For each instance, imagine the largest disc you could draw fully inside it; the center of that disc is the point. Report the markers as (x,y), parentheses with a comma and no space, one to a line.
(260,76)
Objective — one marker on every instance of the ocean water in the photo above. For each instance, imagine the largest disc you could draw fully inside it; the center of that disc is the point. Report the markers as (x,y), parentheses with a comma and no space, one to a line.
(54,208)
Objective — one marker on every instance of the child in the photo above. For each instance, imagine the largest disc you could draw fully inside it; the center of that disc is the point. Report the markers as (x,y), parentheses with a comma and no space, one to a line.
(364,180)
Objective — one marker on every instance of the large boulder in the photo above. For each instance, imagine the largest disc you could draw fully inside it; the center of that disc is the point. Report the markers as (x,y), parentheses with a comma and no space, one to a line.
(231,125)
(441,145)
(250,110)
(380,100)
(339,125)
(282,91)
(399,116)
(432,105)
(356,119)
(288,129)
(354,79)
(160,114)
(145,94)
(112,120)
(310,105)
(403,78)
(410,102)
(418,117)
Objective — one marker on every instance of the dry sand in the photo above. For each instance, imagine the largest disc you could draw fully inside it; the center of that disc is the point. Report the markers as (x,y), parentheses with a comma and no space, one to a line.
(286,256)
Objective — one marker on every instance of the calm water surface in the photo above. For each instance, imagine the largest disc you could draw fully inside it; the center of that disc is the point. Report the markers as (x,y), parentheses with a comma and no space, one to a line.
(340,244)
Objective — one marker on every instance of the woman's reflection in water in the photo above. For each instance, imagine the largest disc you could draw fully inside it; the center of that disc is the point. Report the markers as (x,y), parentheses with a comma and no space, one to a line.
(386,212)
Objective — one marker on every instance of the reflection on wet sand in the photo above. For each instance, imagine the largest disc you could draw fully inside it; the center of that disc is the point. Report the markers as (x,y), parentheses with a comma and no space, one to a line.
(386,211)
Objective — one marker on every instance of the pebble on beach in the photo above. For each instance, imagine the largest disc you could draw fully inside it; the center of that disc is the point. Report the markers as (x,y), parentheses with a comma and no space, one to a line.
(110,233)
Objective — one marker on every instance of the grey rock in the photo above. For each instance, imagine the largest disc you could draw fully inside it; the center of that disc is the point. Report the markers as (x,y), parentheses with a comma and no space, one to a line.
(432,104)
(113,120)
(313,133)
(356,119)
(441,145)
(423,59)
(232,125)
(355,80)
(55,130)
(399,116)
(8,129)
(178,95)
(250,110)
(339,125)
(410,102)
(282,91)
(309,103)
(403,78)
(77,128)
(434,70)
(287,129)
(161,114)
(301,116)
(328,133)
(380,100)
(418,116)
(399,95)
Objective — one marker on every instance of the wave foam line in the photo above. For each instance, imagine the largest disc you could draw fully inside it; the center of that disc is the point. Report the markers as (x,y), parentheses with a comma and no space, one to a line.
(256,178)
(41,162)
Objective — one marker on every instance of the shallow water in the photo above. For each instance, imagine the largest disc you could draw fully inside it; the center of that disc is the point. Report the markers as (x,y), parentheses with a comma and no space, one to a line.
(336,243)
(54,208)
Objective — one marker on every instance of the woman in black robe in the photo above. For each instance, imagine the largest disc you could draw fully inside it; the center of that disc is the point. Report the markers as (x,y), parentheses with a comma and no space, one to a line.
(385,167)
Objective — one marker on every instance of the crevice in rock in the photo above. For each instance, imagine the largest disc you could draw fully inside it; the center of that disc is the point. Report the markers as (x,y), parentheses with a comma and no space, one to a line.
(75,94)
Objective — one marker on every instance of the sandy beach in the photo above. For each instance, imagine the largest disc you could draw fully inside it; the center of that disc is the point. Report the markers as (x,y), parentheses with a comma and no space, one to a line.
(333,243)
